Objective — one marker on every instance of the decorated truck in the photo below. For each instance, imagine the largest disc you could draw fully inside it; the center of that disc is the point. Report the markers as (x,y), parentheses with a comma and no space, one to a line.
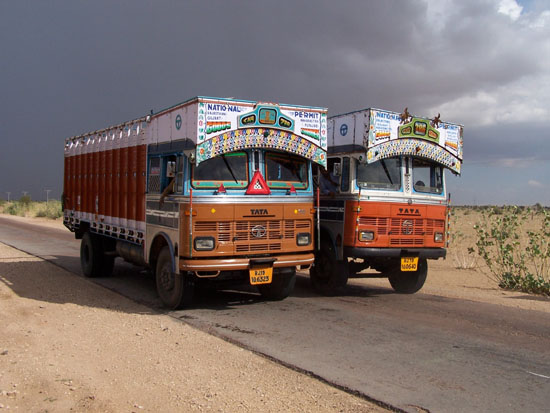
(384,204)
(213,191)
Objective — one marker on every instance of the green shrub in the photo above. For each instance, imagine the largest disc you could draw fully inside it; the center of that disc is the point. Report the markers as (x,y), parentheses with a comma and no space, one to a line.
(51,209)
(25,200)
(17,208)
(25,207)
(463,258)
(517,260)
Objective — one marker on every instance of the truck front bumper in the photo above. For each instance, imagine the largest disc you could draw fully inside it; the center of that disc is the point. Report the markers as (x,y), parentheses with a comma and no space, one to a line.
(428,253)
(245,263)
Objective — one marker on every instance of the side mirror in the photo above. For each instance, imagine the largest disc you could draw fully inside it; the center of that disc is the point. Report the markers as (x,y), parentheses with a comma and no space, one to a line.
(171,169)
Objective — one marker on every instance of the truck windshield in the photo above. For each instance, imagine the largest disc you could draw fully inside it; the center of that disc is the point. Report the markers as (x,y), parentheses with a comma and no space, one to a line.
(427,177)
(230,169)
(283,170)
(383,174)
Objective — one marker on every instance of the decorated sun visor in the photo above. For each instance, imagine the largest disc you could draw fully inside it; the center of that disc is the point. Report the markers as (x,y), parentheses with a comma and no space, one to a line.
(387,134)
(225,126)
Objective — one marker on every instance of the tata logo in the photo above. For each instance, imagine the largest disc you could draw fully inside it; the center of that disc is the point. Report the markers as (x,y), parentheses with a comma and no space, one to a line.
(407,227)
(409,211)
(259,212)
(258,231)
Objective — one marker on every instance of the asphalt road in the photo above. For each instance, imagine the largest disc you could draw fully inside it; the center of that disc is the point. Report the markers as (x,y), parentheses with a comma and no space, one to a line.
(413,352)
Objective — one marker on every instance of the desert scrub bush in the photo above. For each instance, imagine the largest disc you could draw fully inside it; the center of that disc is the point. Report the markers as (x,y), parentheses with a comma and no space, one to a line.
(518,259)
(19,208)
(463,257)
(51,209)
(27,208)
(25,200)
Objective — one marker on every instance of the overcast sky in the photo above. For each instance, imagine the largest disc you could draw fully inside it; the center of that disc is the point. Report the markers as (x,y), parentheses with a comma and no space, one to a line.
(70,67)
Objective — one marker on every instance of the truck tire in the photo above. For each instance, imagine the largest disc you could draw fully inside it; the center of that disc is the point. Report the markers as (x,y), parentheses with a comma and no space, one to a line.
(281,286)
(409,282)
(328,275)
(91,256)
(174,289)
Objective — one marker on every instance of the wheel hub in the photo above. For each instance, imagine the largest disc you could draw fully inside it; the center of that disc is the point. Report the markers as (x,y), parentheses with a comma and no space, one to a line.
(167,278)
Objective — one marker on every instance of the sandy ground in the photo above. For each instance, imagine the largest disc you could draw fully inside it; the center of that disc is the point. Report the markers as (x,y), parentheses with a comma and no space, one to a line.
(109,354)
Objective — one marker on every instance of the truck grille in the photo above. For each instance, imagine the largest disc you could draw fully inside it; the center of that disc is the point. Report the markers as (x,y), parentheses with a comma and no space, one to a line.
(253,236)
(407,232)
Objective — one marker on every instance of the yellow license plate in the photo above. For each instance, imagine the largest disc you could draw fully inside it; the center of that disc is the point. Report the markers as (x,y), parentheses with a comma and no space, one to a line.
(409,263)
(261,275)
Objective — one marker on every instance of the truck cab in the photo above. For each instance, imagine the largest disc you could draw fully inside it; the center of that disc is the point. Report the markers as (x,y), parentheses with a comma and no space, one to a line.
(383,202)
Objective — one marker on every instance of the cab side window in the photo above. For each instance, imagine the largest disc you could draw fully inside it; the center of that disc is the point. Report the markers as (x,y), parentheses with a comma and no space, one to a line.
(344,185)
(153,185)
(179,175)
(330,177)
(169,171)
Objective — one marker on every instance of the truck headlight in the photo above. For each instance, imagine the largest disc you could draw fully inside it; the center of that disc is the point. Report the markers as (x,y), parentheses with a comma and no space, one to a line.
(303,239)
(204,243)
(366,235)
(438,237)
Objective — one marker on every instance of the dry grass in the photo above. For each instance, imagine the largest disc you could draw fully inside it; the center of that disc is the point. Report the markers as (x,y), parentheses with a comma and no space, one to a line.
(27,208)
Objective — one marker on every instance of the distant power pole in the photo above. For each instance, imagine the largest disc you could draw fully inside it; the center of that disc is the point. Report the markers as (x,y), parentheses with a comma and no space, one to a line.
(8,196)
(47,195)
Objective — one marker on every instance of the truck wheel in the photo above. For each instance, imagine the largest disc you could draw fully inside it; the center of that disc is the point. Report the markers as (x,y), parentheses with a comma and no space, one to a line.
(409,282)
(328,275)
(281,286)
(91,256)
(174,289)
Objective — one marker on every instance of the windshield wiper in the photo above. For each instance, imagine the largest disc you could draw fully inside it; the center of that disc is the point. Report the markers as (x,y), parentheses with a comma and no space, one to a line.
(386,171)
(298,174)
(229,168)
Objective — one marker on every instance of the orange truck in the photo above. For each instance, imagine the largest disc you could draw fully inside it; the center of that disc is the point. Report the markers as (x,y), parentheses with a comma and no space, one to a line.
(384,204)
(212,191)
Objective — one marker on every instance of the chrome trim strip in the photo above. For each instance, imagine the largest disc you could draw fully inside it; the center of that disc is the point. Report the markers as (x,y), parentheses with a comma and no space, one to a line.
(299,262)
(295,262)
(163,214)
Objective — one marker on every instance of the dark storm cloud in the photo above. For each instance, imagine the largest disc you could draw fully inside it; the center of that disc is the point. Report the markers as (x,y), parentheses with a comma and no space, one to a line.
(71,67)
(515,145)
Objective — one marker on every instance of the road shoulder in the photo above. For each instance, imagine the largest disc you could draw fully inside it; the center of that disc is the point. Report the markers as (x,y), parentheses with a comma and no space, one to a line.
(72,344)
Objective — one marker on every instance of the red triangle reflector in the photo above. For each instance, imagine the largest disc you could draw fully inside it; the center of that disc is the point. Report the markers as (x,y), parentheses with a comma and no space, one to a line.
(292,190)
(257,185)
(221,189)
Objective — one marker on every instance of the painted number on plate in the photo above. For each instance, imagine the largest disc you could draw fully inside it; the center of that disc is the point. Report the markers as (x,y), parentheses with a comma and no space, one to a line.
(261,276)
(409,263)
